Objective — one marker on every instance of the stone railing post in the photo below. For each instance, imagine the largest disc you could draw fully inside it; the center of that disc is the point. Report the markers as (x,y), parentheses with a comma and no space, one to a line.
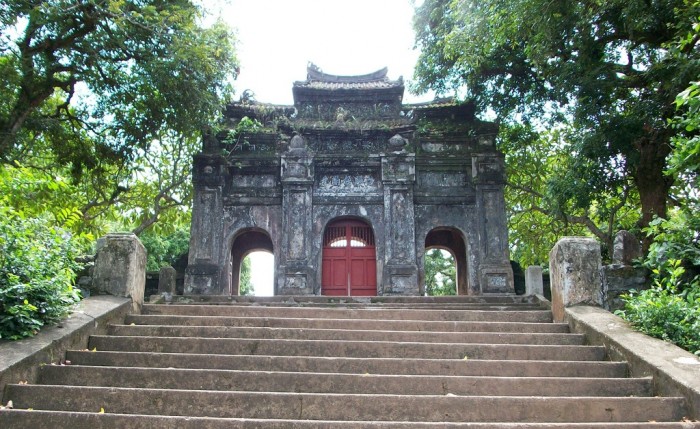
(120,268)
(167,280)
(574,269)
(533,280)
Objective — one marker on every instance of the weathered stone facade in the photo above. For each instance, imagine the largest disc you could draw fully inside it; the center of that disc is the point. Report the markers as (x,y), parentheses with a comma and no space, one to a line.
(417,176)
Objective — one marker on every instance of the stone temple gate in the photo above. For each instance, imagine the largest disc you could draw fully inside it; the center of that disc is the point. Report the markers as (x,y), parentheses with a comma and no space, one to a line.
(347,189)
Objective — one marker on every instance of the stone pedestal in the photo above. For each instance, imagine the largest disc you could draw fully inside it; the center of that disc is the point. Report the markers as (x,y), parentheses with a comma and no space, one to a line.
(120,268)
(574,269)
(533,280)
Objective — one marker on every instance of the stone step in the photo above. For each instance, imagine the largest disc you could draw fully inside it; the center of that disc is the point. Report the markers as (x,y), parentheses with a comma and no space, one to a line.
(347,407)
(344,334)
(359,306)
(351,313)
(79,420)
(354,324)
(304,382)
(375,301)
(399,366)
(359,349)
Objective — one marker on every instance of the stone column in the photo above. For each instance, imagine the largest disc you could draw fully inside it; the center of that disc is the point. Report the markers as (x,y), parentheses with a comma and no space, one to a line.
(533,280)
(120,268)
(296,276)
(574,271)
(400,276)
(204,264)
(495,271)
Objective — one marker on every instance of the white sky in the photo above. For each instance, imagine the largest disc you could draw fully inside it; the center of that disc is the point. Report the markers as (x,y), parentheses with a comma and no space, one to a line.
(277,38)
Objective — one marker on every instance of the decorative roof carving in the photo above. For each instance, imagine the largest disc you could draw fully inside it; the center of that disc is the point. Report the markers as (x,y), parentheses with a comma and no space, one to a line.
(317,79)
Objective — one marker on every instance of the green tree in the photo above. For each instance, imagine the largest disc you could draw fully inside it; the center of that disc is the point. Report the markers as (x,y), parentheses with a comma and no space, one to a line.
(113,75)
(165,248)
(106,100)
(245,285)
(604,70)
(440,273)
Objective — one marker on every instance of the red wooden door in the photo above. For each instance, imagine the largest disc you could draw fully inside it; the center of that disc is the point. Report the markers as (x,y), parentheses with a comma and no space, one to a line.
(349,260)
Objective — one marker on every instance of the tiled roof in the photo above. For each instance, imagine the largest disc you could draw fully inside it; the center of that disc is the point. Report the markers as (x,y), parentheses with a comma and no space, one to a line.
(349,85)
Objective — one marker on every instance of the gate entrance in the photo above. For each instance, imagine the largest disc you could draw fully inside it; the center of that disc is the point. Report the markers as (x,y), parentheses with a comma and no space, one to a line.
(349,259)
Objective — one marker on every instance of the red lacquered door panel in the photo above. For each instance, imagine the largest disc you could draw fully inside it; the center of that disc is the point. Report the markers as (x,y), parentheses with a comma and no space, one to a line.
(349,260)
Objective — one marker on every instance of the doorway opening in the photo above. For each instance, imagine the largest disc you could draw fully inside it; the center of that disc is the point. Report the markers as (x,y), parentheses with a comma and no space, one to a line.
(445,260)
(349,264)
(440,272)
(255,247)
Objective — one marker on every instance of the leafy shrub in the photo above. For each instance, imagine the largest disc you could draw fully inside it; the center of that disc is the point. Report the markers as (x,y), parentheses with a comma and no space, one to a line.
(37,271)
(670,310)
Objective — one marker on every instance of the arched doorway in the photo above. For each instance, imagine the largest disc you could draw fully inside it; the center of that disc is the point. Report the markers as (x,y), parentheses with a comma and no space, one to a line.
(450,239)
(349,265)
(246,242)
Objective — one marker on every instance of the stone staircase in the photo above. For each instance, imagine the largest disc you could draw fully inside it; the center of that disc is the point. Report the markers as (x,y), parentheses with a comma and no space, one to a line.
(312,362)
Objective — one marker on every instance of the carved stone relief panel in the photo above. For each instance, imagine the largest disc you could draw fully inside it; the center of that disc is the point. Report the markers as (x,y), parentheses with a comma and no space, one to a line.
(487,169)
(296,224)
(494,205)
(297,168)
(346,184)
(436,179)
(254,180)
(345,144)
(399,168)
(401,226)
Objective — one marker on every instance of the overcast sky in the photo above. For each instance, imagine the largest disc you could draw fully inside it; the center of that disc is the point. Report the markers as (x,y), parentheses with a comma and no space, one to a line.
(277,38)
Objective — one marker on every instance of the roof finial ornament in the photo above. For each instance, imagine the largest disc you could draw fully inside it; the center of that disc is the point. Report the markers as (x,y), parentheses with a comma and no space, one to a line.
(311,67)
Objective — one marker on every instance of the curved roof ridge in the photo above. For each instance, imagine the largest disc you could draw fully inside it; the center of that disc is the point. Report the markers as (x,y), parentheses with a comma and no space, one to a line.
(314,74)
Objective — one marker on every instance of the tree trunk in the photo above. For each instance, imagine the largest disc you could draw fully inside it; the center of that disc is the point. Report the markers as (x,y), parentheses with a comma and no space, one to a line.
(652,184)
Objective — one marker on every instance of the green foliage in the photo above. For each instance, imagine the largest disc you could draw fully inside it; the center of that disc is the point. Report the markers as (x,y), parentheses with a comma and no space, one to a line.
(97,79)
(670,310)
(245,286)
(37,270)
(164,249)
(440,273)
(685,159)
(604,74)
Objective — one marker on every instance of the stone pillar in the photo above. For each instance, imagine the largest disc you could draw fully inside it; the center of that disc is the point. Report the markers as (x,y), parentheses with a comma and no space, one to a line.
(495,271)
(533,280)
(621,276)
(574,271)
(167,280)
(203,273)
(626,248)
(120,268)
(296,276)
(400,276)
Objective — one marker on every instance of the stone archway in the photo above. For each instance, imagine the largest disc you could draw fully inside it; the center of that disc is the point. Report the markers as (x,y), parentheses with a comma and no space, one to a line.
(451,239)
(349,263)
(247,241)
